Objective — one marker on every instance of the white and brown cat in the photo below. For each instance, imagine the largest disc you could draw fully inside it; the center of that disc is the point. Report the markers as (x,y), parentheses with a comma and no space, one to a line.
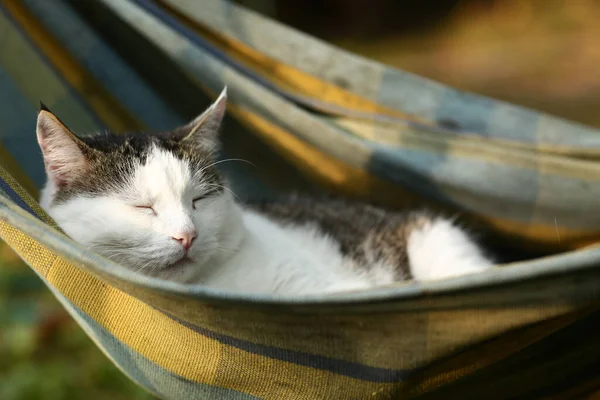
(155,203)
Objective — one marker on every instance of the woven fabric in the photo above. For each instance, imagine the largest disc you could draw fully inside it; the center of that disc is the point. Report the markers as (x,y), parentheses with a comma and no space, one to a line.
(313,116)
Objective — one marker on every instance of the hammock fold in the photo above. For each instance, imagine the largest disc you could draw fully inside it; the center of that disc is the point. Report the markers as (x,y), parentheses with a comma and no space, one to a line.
(311,117)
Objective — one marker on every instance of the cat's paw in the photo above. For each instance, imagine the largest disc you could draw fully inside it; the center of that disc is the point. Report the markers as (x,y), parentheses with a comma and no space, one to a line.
(438,249)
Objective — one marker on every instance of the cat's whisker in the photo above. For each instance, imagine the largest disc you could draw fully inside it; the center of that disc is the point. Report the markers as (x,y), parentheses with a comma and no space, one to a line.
(223,161)
(104,250)
(228,189)
(144,266)
(110,246)
(226,250)
(211,154)
(110,255)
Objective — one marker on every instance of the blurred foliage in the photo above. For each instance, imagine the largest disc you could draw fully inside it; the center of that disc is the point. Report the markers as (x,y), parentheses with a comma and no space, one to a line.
(541,54)
(43,352)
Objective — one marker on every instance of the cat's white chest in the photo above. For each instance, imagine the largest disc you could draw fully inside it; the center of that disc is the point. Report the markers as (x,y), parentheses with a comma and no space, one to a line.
(295,259)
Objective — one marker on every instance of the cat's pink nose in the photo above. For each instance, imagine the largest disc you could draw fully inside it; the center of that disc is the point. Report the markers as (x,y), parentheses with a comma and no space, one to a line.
(185,238)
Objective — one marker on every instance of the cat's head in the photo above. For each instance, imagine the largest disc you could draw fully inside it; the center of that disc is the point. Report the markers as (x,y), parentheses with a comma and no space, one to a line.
(151,202)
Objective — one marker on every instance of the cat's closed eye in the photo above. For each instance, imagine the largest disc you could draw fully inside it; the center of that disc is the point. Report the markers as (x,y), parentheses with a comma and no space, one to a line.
(196,199)
(147,209)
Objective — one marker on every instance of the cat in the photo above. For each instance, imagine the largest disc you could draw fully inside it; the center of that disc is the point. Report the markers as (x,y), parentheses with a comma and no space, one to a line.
(155,203)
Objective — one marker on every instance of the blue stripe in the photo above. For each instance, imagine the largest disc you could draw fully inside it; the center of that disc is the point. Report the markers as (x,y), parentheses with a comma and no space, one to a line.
(17,132)
(105,64)
(12,195)
(74,93)
(340,367)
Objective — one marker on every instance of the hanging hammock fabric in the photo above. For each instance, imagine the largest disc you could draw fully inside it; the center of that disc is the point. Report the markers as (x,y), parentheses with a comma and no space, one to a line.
(309,115)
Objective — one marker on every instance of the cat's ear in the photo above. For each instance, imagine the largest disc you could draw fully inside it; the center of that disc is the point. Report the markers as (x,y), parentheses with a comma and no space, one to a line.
(203,131)
(62,150)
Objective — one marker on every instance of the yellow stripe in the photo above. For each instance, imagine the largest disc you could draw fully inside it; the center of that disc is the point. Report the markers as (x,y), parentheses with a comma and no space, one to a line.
(285,76)
(102,102)
(177,348)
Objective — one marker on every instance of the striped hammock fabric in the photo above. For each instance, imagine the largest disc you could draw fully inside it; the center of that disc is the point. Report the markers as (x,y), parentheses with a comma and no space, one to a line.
(310,116)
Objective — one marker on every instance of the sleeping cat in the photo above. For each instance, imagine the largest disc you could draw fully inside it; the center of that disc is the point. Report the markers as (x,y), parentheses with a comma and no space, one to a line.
(156,204)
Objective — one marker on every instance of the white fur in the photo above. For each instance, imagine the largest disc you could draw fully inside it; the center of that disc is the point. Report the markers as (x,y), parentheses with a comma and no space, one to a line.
(286,260)
(442,250)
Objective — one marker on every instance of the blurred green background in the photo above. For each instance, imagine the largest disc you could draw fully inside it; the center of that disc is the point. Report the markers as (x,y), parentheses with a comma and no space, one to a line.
(541,54)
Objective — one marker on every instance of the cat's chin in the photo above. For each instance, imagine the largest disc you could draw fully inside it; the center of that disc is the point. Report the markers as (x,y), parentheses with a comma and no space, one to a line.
(182,262)
(184,271)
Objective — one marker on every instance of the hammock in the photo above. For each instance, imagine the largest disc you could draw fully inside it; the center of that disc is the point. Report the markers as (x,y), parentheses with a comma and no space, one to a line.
(311,117)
